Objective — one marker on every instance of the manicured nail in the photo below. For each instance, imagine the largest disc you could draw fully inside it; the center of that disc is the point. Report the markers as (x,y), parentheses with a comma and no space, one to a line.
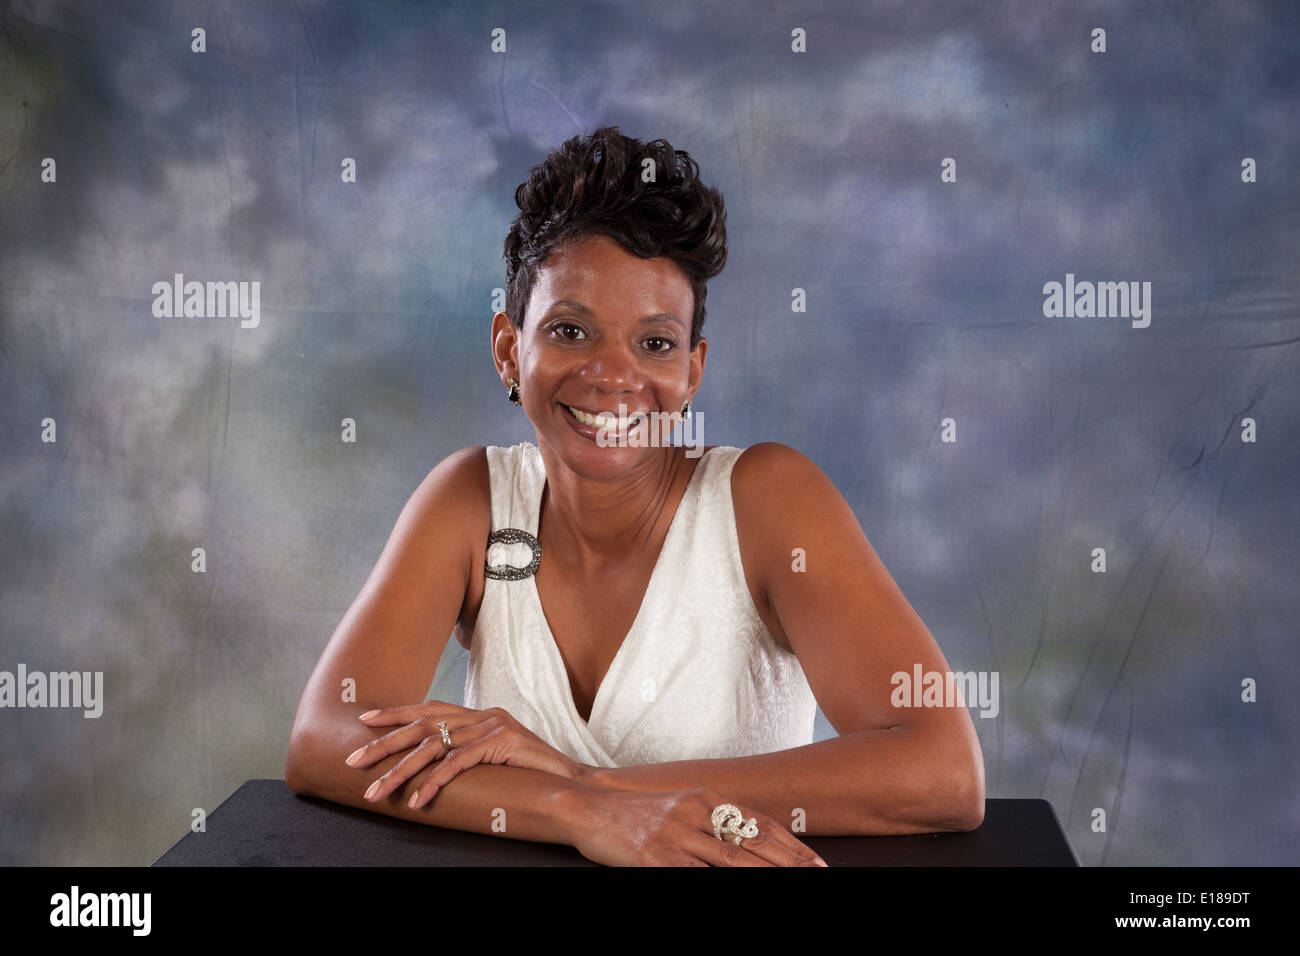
(415,798)
(355,756)
(819,861)
(368,714)
(374,788)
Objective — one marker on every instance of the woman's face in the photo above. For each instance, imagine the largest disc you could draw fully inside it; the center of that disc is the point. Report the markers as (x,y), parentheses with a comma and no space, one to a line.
(604,329)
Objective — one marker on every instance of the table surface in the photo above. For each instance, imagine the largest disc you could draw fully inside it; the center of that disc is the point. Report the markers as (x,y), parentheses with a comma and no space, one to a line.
(264,823)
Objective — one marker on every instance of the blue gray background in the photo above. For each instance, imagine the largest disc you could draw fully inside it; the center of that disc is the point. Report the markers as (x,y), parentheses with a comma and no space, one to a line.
(1119,690)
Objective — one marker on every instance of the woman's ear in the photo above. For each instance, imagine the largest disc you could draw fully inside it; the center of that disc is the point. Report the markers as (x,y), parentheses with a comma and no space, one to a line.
(696,374)
(505,345)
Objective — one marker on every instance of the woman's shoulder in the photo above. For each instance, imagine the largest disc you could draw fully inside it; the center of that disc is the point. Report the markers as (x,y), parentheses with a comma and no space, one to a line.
(771,463)
(461,470)
(456,494)
(470,468)
(777,490)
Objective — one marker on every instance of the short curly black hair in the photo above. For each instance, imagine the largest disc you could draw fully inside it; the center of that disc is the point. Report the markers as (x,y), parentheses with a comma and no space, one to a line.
(593,185)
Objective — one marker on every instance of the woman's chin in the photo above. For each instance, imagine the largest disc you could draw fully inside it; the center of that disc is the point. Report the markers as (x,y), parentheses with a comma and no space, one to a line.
(599,449)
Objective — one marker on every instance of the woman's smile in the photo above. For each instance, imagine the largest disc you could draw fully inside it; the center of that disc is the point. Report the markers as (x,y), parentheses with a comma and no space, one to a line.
(589,424)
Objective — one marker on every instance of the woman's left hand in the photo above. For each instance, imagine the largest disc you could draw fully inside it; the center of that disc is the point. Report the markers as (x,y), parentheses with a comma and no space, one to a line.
(477,736)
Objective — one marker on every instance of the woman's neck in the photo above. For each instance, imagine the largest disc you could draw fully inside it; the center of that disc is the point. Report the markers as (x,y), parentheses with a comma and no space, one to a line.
(595,522)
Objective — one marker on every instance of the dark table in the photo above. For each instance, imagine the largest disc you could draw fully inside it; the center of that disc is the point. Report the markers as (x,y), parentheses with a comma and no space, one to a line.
(264,823)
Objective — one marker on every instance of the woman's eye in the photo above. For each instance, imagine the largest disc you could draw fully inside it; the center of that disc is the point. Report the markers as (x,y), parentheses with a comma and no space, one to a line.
(560,326)
(664,346)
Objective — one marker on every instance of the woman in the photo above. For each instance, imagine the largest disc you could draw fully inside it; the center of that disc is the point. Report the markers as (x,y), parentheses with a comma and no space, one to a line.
(645,666)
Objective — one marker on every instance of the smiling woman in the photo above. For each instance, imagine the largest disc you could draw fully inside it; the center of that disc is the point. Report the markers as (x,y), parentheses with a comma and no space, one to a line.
(645,668)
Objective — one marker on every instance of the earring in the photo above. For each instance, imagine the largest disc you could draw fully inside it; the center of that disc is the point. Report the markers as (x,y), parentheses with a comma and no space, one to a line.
(686,408)
(514,393)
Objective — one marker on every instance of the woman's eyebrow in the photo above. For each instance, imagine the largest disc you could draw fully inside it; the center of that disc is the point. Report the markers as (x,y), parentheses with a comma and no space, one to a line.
(569,304)
(666,316)
(584,310)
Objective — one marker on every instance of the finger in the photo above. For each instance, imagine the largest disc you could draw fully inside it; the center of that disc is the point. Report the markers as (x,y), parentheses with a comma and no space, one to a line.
(779,844)
(405,738)
(472,746)
(390,743)
(381,747)
(407,713)
(773,843)
(768,846)
(717,852)
(428,750)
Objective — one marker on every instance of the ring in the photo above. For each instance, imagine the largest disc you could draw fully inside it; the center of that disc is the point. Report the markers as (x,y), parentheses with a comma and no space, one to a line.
(727,817)
(446,737)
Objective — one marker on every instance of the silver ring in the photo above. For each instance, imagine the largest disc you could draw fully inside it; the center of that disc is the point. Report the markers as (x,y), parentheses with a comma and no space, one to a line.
(728,818)
(446,737)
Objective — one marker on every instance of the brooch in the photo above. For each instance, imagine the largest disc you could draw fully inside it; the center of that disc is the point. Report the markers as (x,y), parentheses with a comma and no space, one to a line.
(508,572)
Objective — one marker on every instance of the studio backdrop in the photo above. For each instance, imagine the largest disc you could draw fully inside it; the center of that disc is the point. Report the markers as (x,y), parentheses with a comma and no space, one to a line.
(1020,277)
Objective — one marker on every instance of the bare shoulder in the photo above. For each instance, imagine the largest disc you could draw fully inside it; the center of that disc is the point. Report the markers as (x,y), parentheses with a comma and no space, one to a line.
(462,475)
(456,497)
(774,484)
(783,500)
(773,455)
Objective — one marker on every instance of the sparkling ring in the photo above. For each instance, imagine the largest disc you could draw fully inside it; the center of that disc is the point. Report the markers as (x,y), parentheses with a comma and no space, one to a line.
(727,817)
(446,737)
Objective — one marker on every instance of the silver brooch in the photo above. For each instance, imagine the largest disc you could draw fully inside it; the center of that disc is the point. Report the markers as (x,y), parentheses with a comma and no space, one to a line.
(508,572)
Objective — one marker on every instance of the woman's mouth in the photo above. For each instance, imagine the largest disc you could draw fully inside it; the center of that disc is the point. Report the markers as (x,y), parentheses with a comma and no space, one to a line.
(606,419)
(602,427)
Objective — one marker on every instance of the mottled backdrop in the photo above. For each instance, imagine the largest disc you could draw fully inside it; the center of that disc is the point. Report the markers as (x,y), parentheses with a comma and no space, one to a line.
(1119,690)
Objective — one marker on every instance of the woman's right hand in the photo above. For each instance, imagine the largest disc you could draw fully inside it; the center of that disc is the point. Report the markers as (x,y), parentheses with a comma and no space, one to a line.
(631,828)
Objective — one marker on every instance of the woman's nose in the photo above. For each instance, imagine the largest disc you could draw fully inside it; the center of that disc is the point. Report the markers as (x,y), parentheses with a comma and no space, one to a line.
(611,367)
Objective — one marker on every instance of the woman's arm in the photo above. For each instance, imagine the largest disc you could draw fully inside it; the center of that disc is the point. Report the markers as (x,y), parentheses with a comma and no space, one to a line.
(868,783)
(487,798)
(389,644)
(893,769)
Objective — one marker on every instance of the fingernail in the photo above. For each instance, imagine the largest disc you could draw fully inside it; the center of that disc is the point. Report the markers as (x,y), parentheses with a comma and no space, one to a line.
(819,861)
(355,756)
(368,714)
(415,798)
(374,788)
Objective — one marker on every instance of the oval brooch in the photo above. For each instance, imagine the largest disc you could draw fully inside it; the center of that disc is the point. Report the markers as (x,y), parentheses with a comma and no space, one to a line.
(508,572)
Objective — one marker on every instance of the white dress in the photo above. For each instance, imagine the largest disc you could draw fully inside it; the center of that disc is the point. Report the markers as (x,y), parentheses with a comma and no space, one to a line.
(697,676)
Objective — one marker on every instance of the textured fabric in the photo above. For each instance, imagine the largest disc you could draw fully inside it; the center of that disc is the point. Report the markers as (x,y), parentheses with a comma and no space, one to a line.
(697,676)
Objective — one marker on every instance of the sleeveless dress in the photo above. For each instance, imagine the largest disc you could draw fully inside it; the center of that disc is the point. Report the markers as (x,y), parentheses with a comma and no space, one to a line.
(698,675)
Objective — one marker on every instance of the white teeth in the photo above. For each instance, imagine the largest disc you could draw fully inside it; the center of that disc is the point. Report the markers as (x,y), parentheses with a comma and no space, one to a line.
(604,419)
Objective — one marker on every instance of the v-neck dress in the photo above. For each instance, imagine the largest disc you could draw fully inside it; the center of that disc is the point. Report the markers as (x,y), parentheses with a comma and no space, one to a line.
(698,675)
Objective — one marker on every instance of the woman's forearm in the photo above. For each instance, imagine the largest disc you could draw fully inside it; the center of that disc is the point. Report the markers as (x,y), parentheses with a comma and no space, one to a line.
(493,799)
(873,782)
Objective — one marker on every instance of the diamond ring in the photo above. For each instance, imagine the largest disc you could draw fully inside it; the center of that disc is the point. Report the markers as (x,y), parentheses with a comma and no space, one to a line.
(727,818)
